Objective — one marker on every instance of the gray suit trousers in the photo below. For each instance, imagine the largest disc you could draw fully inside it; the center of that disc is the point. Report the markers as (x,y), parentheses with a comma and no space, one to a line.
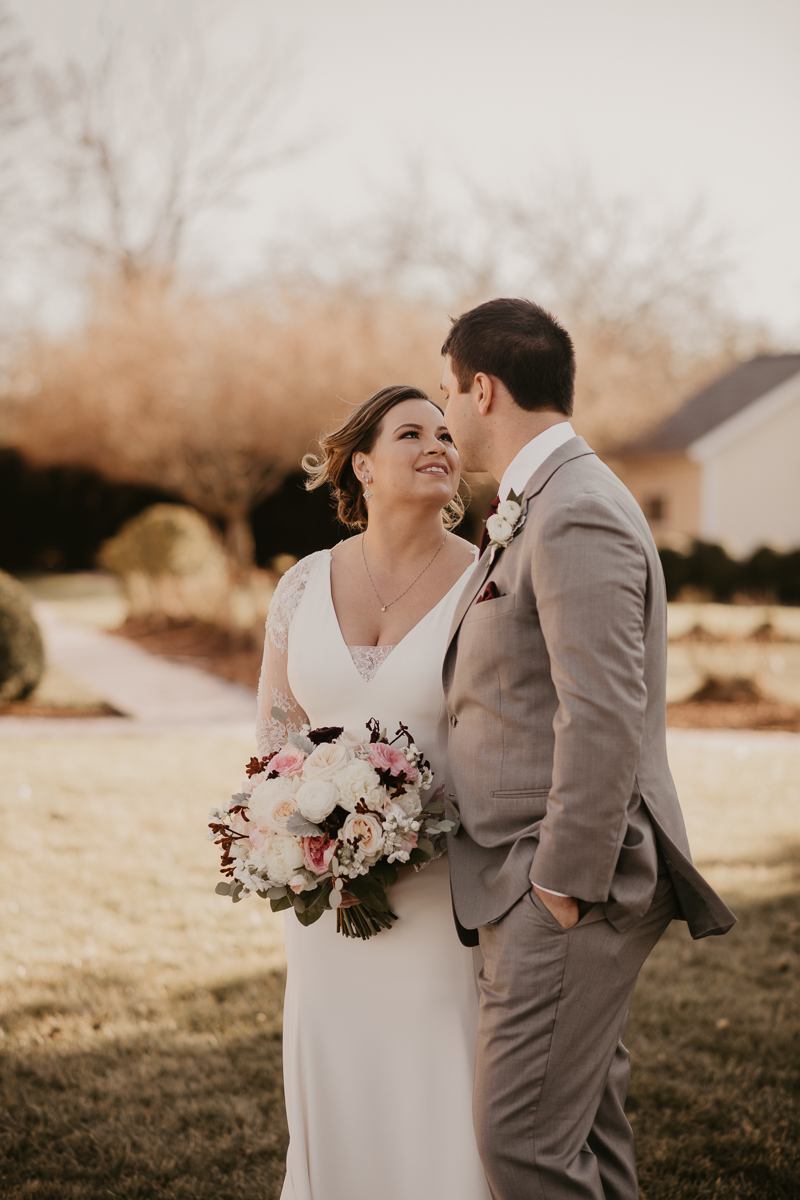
(552,1072)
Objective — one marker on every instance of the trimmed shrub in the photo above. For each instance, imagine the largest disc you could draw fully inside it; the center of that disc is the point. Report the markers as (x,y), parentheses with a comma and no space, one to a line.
(171,563)
(21,646)
(167,539)
(766,575)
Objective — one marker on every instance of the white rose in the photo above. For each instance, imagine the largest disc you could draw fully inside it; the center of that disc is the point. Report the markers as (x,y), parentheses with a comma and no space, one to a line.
(509,510)
(410,803)
(368,829)
(283,858)
(317,799)
(357,782)
(499,529)
(277,812)
(325,761)
(352,739)
(267,792)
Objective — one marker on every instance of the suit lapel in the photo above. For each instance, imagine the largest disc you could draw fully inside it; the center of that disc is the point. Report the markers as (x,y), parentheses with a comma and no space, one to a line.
(471,590)
(575,448)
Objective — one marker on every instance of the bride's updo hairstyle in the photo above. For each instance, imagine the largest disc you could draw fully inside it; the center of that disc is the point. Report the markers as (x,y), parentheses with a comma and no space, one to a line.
(360,432)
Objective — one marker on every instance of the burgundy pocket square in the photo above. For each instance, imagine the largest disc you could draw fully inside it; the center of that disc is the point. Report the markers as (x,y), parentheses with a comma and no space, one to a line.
(490,592)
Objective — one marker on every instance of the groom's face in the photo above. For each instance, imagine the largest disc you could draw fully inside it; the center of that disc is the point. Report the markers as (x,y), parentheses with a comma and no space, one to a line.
(461,416)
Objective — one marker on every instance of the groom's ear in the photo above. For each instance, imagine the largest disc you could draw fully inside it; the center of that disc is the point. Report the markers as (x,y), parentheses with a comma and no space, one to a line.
(483,392)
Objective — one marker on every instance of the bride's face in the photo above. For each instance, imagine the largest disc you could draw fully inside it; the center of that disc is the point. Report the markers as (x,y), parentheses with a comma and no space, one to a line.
(413,458)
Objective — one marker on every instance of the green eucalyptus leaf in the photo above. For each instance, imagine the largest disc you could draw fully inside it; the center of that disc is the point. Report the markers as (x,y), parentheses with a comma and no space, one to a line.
(223,889)
(280,904)
(369,891)
(426,847)
(385,872)
(316,903)
(279,714)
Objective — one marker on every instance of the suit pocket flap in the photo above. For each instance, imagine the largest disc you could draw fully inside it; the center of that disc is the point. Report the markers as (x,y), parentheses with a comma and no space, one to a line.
(490,608)
(530,805)
(522,794)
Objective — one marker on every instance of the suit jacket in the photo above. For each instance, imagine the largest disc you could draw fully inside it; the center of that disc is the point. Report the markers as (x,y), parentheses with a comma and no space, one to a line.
(556,701)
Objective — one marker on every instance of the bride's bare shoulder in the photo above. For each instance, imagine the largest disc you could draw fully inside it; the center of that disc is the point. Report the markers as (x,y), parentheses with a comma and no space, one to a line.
(347,550)
(462,551)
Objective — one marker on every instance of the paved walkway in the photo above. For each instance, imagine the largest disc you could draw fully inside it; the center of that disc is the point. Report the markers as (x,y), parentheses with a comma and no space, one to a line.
(155,696)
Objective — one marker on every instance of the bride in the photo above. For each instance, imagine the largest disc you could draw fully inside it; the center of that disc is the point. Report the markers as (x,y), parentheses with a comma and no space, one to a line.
(379,1036)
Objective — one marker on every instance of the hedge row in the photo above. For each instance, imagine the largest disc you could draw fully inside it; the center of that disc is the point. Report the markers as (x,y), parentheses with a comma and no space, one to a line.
(57,519)
(767,575)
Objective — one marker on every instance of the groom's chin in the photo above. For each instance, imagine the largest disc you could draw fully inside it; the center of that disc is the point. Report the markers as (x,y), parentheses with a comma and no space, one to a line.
(471,459)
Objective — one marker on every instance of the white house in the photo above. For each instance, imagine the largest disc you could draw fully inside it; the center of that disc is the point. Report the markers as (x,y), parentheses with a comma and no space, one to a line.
(726,466)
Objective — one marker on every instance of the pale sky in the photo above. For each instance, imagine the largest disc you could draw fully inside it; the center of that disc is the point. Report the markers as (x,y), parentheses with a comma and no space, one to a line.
(671,100)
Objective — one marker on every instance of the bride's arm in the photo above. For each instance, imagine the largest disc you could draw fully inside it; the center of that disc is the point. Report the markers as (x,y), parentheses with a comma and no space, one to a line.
(274,690)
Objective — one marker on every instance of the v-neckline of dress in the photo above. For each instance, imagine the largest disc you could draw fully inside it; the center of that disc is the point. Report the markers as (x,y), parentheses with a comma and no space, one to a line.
(405,636)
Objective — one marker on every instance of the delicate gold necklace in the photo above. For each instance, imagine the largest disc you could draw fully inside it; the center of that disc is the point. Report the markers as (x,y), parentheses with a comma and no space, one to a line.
(408,589)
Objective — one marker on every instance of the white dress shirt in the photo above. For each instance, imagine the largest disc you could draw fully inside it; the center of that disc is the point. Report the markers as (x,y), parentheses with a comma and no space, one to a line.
(519,471)
(531,456)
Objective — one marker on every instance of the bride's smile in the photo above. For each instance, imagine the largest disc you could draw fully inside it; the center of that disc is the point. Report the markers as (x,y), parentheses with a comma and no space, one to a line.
(413,459)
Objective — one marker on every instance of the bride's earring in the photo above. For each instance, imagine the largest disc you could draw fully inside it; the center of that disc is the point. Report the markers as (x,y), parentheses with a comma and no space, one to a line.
(367,492)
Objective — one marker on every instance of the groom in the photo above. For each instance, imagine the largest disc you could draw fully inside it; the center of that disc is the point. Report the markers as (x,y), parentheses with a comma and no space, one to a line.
(572,858)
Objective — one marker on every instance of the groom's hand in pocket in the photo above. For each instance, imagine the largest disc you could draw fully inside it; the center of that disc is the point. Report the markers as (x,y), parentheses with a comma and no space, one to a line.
(563,908)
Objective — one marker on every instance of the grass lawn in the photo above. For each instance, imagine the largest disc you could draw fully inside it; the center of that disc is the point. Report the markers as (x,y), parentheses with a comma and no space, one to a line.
(140,1014)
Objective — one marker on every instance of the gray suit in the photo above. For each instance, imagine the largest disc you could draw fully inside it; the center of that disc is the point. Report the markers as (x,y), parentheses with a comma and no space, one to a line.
(558,765)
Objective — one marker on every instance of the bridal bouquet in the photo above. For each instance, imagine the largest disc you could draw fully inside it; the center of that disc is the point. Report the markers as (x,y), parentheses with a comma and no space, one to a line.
(321,823)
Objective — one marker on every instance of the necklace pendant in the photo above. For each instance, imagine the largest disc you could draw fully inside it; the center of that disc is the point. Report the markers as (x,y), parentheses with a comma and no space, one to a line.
(383,608)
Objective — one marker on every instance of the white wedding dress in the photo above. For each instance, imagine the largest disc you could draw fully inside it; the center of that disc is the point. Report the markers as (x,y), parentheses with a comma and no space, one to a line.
(379,1036)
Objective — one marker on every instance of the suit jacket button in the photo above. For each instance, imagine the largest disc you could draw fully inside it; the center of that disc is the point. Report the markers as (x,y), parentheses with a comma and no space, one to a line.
(453,720)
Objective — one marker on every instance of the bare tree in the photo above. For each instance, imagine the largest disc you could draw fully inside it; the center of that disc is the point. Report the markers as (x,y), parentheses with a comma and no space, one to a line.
(643,295)
(213,400)
(153,136)
(16,110)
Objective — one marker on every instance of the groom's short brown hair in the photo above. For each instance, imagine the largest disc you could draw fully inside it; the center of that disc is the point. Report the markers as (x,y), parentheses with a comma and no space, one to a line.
(522,345)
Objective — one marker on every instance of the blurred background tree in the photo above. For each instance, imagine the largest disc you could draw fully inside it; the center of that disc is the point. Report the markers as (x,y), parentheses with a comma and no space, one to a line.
(214,400)
(169,383)
(154,136)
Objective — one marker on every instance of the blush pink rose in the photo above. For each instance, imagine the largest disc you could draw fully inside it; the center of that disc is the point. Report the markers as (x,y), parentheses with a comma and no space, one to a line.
(288,761)
(317,853)
(388,758)
(239,823)
(250,785)
(260,837)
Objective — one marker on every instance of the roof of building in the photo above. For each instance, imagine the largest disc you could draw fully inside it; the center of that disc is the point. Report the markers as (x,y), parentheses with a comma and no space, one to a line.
(718,402)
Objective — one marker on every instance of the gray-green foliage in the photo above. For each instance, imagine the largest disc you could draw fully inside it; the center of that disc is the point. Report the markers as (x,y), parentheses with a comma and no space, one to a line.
(21,646)
(167,539)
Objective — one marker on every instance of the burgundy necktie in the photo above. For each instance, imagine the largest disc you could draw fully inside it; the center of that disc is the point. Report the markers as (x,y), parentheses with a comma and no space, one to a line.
(492,510)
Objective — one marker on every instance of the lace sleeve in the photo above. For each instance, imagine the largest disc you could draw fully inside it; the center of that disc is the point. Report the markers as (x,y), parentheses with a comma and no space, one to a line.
(273,687)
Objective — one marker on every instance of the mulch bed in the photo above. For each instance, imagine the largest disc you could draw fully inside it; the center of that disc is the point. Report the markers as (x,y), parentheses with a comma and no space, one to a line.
(23,708)
(237,657)
(233,656)
(709,714)
(733,704)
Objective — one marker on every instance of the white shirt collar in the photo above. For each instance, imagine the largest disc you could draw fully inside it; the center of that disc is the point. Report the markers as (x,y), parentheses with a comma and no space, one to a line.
(531,457)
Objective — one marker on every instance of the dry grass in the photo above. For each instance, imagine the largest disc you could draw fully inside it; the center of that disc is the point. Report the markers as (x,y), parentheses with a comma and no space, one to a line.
(714,1036)
(141,1013)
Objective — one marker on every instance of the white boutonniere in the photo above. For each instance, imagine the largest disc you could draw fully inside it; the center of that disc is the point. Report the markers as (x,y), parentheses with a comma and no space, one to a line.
(504,525)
